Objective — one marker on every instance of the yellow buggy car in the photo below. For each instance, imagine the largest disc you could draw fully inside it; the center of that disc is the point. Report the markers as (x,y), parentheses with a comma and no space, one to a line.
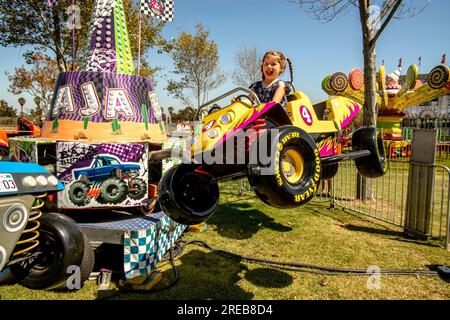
(283,151)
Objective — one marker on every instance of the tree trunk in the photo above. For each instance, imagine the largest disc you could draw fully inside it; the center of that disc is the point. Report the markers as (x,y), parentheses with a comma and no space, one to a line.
(62,65)
(363,185)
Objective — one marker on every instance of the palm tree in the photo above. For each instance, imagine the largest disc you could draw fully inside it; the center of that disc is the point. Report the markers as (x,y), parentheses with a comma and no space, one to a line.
(22,102)
(170,114)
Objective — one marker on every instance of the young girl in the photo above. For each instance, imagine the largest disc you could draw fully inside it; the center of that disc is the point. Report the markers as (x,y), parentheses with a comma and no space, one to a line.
(270,88)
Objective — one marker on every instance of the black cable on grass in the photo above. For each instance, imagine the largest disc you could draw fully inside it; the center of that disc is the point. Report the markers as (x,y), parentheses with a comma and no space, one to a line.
(293,266)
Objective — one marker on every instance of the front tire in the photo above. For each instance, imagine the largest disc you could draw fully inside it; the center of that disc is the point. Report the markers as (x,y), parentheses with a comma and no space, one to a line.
(61,246)
(187,195)
(293,175)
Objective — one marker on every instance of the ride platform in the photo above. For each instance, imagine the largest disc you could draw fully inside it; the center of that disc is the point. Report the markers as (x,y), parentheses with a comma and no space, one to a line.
(145,239)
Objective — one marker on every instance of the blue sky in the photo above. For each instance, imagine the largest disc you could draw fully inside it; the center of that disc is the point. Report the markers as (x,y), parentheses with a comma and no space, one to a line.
(316,49)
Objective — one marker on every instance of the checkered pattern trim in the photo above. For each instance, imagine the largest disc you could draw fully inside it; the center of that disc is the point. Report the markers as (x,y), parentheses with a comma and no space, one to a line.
(143,249)
(52,3)
(161,9)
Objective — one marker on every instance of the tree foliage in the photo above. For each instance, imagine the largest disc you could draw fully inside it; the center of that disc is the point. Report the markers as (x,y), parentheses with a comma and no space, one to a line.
(33,23)
(196,61)
(6,110)
(248,61)
(37,81)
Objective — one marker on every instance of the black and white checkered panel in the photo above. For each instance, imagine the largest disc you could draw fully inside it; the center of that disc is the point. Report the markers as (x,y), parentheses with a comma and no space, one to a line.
(167,15)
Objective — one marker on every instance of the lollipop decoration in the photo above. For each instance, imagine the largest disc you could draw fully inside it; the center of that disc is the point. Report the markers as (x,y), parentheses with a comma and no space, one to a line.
(339,82)
(391,96)
(356,77)
(438,77)
(326,85)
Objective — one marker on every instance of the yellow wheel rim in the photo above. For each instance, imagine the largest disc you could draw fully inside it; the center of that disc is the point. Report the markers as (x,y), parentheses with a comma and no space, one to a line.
(292,166)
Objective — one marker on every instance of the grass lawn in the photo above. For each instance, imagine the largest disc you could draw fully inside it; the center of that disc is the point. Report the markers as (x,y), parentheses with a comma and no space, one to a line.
(311,234)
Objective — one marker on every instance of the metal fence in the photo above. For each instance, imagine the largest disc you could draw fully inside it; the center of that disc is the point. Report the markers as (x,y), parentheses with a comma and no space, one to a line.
(388,201)
(389,195)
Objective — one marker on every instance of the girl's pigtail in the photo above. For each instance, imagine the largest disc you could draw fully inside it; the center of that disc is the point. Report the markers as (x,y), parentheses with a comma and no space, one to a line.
(291,71)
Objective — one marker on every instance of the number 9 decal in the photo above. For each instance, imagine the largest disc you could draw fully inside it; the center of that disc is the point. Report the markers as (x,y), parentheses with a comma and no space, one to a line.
(306,115)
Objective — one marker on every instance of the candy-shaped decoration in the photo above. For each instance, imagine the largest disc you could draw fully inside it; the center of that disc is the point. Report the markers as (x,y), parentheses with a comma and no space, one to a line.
(411,76)
(438,77)
(382,83)
(326,85)
(338,82)
(356,77)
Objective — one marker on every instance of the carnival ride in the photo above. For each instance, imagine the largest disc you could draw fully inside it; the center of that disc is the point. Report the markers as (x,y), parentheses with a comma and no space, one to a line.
(51,242)
(103,119)
(393,95)
(24,127)
(284,153)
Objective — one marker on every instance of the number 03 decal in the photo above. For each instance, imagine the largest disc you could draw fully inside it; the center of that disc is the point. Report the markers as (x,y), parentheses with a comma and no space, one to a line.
(306,115)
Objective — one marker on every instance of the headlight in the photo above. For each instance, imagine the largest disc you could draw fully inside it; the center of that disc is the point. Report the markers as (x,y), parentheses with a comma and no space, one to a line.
(209,125)
(226,118)
(29,182)
(42,181)
(52,180)
(212,134)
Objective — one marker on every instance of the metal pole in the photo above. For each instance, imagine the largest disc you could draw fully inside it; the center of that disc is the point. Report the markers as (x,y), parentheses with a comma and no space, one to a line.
(139,43)
(73,35)
(448,214)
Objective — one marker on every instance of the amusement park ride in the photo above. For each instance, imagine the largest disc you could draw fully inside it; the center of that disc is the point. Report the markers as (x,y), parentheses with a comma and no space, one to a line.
(392,96)
(103,124)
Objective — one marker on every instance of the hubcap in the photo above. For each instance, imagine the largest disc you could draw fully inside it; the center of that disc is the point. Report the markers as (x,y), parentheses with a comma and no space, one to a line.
(292,166)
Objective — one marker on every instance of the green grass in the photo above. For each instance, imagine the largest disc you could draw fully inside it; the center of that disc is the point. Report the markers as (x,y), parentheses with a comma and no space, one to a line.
(310,234)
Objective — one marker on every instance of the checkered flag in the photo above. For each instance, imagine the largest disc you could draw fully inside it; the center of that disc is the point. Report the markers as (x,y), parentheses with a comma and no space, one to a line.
(161,9)
(52,3)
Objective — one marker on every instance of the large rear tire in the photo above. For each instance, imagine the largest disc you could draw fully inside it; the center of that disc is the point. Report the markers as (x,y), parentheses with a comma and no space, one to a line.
(293,175)
(188,195)
(61,246)
(374,165)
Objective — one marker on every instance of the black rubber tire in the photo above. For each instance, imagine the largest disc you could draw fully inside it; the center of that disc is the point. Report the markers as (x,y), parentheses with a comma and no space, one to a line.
(113,191)
(374,165)
(6,276)
(88,261)
(141,187)
(87,264)
(187,196)
(61,244)
(272,187)
(329,170)
(78,193)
